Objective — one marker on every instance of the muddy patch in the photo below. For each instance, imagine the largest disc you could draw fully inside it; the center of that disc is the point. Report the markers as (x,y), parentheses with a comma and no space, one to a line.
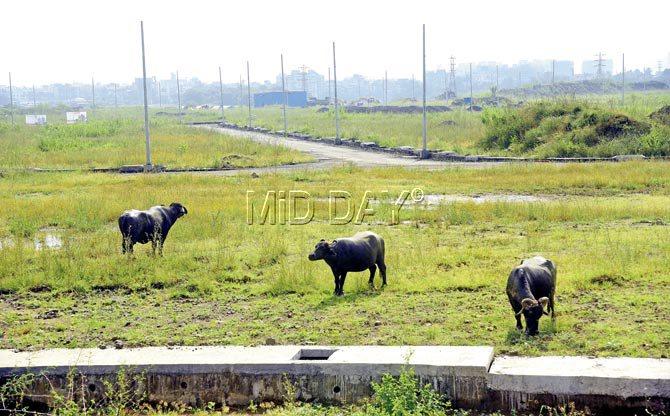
(438,199)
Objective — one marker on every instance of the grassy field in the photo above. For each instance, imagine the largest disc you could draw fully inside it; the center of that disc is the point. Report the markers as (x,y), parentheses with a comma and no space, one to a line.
(223,281)
(112,138)
(458,130)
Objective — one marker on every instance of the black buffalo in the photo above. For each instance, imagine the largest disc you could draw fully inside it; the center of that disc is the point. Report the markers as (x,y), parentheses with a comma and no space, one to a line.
(530,289)
(150,225)
(363,251)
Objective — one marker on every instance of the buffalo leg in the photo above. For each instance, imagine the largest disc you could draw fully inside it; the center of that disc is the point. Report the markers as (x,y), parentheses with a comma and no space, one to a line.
(382,271)
(337,283)
(516,307)
(551,305)
(343,276)
(123,245)
(371,282)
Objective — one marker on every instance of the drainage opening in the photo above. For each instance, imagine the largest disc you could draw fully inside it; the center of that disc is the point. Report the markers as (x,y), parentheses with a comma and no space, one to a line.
(313,354)
(91,387)
(184,385)
(336,389)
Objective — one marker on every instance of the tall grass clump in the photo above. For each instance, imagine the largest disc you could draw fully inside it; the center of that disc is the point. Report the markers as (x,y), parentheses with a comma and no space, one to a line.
(571,128)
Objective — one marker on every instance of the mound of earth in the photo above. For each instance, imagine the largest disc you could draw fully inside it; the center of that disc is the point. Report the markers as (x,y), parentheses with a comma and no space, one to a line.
(395,109)
(662,115)
(554,129)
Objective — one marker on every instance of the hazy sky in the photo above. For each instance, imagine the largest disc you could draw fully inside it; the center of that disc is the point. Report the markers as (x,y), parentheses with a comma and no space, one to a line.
(65,41)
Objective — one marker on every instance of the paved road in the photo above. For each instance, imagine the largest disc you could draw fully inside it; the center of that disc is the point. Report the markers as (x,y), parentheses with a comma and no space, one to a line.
(330,155)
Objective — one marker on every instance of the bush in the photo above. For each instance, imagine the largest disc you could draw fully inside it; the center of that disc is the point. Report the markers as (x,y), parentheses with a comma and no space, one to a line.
(563,129)
(403,396)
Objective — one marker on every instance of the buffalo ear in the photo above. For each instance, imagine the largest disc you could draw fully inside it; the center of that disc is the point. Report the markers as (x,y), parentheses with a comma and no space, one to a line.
(527,303)
(544,301)
(322,240)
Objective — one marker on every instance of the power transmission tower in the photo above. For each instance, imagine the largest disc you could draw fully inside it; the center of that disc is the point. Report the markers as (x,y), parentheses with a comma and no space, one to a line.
(599,64)
(303,74)
(92,92)
(34,99)
(337,105)
(160,97)
(283,88)
(452,73)
(553,72)
(413,95)
(659,66)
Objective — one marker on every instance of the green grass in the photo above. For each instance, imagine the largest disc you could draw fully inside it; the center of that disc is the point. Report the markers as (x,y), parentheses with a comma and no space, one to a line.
(465,135)
(222,281)
(112,139)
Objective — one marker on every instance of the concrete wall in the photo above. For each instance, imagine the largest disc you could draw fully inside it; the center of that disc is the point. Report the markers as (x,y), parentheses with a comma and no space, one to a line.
(469,376)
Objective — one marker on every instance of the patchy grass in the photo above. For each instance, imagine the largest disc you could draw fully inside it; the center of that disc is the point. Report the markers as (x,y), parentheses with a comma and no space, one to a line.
(223,281)
(112,140)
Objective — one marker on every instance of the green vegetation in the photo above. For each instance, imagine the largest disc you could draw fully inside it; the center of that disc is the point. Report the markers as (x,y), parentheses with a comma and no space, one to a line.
(111,139)
(454,130)
(568,129)
(223,281)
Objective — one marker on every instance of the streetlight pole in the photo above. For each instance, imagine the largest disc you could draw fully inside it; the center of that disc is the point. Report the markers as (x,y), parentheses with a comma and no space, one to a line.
(337,104)
(148,166)
(283,88)
(223,116)
(424,150)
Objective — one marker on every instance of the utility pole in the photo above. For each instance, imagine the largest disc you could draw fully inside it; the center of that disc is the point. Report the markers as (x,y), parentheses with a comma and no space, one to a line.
(148,166)
(160,96)
(452,73)
(623,78)
(424,151)
(337,105)
(92,92)
(34,99)
(249,93)
(446,88)
(330,97)
(116,104)
(179,98)
(472,100)
(283,88)
(413,94)
(223,116)
(497,78)
(386,88)
(241,94)
(11,99)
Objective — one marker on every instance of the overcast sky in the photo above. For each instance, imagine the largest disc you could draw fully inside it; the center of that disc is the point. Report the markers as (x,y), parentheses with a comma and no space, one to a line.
(66,41)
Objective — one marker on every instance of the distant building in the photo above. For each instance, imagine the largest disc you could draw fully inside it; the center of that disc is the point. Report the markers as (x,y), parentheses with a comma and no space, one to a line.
(564,70)
(294,98)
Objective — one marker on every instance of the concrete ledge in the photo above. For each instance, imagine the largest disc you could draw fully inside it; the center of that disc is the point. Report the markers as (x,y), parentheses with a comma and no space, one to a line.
(237,375)
(623,377)
(615,385)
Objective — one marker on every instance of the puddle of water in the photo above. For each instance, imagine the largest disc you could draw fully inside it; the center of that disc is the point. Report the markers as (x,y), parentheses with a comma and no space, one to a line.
(41,242)
(49,241)
(436,199)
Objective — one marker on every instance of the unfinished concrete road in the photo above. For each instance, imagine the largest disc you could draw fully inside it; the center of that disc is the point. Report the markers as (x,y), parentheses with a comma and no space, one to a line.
(329,155)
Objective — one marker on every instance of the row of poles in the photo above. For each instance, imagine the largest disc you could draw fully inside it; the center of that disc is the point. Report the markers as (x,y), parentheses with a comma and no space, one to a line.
(424,151)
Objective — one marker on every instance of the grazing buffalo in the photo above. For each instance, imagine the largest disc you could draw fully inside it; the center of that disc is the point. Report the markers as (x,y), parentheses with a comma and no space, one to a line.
(150,225)
(530,289)
(363,251)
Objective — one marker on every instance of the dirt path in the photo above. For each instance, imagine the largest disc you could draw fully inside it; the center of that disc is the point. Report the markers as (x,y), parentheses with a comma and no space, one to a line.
(330,155)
